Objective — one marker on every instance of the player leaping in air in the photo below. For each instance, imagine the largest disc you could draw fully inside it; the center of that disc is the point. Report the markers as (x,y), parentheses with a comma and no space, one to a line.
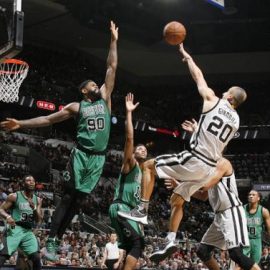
(217,125)
(93,116)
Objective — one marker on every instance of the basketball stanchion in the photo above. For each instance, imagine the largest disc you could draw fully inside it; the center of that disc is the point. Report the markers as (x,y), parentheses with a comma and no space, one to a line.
(12,74)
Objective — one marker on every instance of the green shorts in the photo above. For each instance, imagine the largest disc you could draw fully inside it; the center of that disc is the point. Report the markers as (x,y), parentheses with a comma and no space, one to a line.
(19,237)
(83,170)
(127,230)
(254,251)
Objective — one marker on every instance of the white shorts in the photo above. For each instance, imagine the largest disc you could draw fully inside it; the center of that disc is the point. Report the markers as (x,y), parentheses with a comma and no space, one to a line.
(228,230)
(191,171)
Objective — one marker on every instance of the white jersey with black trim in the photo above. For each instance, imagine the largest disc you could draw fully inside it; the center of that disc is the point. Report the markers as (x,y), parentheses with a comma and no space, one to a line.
(215,129)
(224,195)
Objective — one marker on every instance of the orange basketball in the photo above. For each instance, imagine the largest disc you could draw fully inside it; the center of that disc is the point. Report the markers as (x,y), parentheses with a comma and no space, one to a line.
(174,33)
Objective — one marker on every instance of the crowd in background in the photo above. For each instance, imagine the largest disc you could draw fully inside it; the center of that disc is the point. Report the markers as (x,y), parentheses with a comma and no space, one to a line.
(58,83)
(83,249)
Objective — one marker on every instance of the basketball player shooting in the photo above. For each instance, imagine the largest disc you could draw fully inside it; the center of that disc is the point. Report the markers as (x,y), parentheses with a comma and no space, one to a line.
(217,125)
(93,115)
(228,230)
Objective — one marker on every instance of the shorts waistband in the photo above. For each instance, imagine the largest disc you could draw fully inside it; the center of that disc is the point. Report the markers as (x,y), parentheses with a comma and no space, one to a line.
(87,151)
(206,161)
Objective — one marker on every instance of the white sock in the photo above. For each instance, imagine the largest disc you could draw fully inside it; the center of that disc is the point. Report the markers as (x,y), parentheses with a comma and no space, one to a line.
(171,236)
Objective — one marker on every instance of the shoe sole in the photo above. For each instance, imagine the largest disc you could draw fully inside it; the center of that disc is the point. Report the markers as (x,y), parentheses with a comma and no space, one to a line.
(158,257)
(142,220)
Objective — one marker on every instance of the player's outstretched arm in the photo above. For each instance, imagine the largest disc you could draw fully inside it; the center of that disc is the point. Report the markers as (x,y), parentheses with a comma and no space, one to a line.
(107,87)
(197,75)
(12,124)
(129,161)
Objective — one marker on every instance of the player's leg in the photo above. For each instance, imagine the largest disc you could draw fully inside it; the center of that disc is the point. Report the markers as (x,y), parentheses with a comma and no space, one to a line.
(29,245)
(181,193)
(204,252)
(256,250)
(22,262)
(177,203)
(246,263)
(165,166)
(130,263)
(213,238)
(60,212)
(134,243)
(233,222)
(8,245)
(77,203)
(71,177)
(139,213)
(11,240)
(148,182)
(130,236)
(35,259)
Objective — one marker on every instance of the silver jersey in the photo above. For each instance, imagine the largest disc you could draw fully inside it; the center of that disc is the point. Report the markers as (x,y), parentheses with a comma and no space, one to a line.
(215,129)
(224,195)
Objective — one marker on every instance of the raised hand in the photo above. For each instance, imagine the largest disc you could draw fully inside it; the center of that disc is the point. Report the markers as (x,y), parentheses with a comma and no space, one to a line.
(185,55)
(130,106)
(190,126)
(114,31)
(10,124)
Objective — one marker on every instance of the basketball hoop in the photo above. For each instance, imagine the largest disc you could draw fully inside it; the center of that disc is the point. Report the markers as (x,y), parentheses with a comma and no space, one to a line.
(12,74)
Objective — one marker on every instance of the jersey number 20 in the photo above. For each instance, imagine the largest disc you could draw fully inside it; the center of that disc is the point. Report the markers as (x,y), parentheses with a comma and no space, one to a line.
(220,130)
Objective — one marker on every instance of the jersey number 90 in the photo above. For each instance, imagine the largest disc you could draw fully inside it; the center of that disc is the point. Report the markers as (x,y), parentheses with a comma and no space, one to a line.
(25,217)
(220,130)
(96,123)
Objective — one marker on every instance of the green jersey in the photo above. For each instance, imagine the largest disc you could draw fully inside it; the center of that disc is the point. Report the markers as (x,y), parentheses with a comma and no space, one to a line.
(22,213)
(128,187)
(94,123)
(254,222)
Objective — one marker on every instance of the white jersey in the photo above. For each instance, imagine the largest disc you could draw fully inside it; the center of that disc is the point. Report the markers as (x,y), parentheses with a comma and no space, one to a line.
(215,129)
(224,195)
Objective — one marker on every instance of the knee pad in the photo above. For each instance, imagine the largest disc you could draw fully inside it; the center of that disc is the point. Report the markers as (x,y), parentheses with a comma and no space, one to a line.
(236,254)
(137,248)
(204,252)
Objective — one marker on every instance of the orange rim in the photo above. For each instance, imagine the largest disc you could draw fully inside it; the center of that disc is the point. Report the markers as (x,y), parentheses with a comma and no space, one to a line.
(14,61)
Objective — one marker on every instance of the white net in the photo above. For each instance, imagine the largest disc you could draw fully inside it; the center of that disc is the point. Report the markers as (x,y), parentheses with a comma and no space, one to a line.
(12,74)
